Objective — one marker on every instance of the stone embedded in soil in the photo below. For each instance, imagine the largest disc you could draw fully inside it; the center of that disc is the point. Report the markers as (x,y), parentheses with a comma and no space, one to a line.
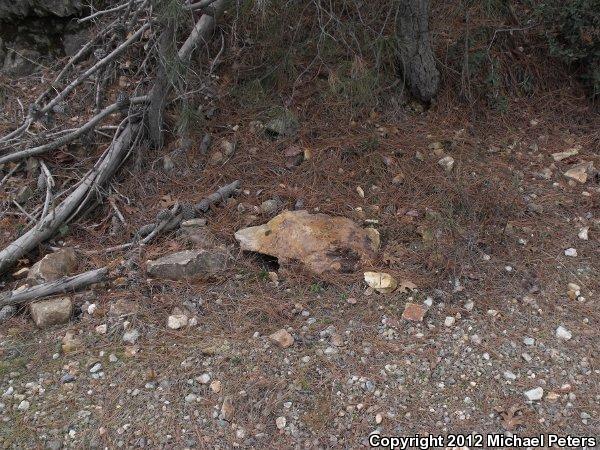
(414,312)
(270,206)
(215,386)
(131,336)
(227,409)
(322,243)
(534,394)
(177,321)
(381,282)
(449,321)
(447,162)
(563,334)
(580,172)
(70,342)
(188,264)
(53,266)
(280,422)
(50,312)
(559,156)
(282,338)
(584,233)
(571,252)
(283,124)
(203,379)
(122,308)
(23,406)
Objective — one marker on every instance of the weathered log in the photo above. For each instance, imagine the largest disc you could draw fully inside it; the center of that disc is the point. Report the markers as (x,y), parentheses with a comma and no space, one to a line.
(61,286)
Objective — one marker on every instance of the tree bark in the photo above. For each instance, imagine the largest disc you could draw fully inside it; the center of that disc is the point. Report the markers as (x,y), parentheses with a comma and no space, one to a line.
(417,60)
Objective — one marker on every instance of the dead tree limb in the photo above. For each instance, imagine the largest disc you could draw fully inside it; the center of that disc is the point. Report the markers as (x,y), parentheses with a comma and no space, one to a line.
(90,124)
(46,228)
(123,143)
(61,286)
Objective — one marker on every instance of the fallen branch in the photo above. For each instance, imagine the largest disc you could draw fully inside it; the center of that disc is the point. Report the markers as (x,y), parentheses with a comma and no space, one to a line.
(46,228)
(170,220)
(61,286)
(221,195)
(116,153)
(63,140)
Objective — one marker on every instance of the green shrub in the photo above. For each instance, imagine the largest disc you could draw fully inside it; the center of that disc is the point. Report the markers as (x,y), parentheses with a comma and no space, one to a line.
(572,28)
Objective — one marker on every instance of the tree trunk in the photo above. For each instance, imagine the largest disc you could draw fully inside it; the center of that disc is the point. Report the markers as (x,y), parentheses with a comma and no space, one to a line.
(417,61)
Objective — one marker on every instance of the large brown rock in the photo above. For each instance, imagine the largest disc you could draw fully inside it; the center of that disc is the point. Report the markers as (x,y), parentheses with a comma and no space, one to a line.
(321,242)
(53,266)
(50,312)
(189,264)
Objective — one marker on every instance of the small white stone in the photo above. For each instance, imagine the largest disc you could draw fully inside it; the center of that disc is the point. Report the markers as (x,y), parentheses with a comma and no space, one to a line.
(176,322)
(191,398)
(563,334)
(102,329)
(509,375)
(428,302)
(203,379)
(449,321)
(534,394)
(23,406)
(280,422)
(131,336)
(113,358)
(447,162)
(571,252)
(583,233)
(96,368)
(91,309)
(528,341)
(215,386)
(378,419)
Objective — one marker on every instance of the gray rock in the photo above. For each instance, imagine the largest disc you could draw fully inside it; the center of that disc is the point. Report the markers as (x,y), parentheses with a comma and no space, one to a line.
(23,406)
(189,264)
(284,124)
(20,62)
(55,311)
(534,394)
(563,334)
(131,336)
(67,378)
(270,206)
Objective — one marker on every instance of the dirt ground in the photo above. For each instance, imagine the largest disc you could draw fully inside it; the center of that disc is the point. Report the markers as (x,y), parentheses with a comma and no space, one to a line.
(504,250)
(485,245)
